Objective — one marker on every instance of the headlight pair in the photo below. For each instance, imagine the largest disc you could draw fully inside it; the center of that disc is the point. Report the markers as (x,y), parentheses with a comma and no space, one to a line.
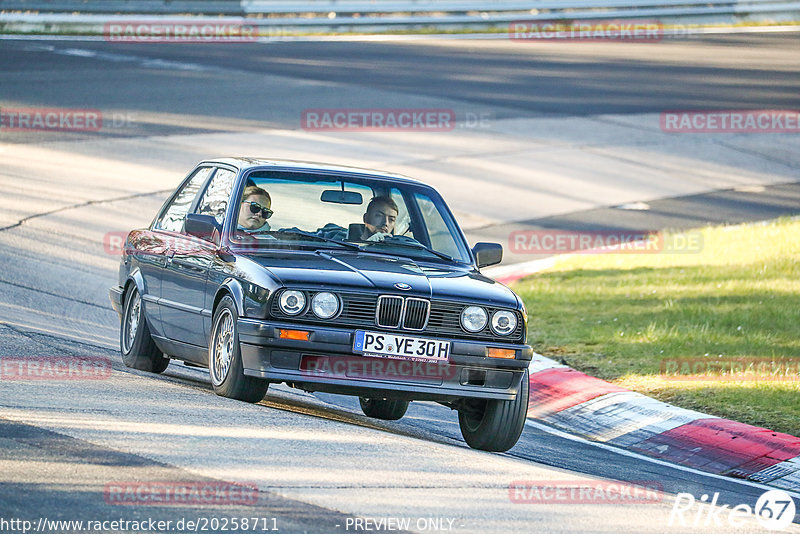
(474,319)
(323,304)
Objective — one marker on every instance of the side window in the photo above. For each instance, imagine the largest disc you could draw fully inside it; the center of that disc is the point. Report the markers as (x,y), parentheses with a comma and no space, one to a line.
(214,201)
(441,235)
(402,225)
(173,217)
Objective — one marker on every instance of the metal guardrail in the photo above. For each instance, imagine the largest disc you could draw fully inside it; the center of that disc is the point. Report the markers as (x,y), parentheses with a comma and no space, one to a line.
(147,7)
(563,8)
(427,12)
(360,14)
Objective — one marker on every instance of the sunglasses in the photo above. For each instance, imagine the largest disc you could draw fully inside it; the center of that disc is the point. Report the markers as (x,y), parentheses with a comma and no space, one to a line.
(255,207)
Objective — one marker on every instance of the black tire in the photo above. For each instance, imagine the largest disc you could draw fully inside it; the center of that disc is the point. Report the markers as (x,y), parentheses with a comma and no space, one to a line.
(494,425)
(138,349)
(387,409)
(225,358)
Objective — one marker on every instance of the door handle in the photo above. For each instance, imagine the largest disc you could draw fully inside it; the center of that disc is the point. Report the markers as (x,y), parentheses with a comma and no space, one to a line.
(168,258)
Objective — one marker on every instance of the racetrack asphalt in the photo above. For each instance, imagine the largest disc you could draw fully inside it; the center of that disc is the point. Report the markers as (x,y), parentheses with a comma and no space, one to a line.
(576,125)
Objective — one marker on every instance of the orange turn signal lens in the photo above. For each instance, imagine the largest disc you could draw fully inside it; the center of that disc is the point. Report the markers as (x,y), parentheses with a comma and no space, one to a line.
(301,335)
(508,354)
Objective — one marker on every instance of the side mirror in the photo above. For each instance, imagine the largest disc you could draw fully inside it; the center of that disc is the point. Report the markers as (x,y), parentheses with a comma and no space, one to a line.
(203,226)
(487,254)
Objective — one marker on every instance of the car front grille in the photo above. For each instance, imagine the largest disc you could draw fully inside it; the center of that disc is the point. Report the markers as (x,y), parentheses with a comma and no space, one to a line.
(389,313)
(416,314)
(408,313)
(395,312)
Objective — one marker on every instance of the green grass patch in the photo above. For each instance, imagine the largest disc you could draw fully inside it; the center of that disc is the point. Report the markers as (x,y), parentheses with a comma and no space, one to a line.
(619,316)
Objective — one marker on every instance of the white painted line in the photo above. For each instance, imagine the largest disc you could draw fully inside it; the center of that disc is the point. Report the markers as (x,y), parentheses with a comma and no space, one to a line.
(742,29)
(77,52)
(542,363)
(518,270)
(633,206)
(39,37)
(784,474)
(624,417)
(141,61)
(667,32)
(89,18)
(630,454)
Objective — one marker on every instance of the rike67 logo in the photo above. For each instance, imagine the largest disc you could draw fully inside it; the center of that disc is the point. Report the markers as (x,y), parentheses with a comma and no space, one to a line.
(774,510)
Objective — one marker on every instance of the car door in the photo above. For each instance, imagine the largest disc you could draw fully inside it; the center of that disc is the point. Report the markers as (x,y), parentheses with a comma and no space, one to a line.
(167,231)
(148,251)
(184,283)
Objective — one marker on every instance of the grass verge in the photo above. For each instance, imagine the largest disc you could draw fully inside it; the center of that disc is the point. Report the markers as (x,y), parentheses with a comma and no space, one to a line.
(621,317)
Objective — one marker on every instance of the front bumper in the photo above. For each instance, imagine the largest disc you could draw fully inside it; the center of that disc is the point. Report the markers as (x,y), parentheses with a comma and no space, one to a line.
(326,362)
(115,294)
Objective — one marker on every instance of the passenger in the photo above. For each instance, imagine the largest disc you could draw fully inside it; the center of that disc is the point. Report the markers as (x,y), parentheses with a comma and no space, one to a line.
(254,210)
(379,219)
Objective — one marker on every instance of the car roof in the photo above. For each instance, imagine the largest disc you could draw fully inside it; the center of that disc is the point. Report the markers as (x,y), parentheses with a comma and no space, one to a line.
(245,163)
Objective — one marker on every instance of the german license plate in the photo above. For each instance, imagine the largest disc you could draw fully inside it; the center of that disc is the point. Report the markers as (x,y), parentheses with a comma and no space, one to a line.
(383,345)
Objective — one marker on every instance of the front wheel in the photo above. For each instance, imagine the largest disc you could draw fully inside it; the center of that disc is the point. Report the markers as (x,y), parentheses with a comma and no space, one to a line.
(387,409)
(225,358)
(495,425)
(138,349)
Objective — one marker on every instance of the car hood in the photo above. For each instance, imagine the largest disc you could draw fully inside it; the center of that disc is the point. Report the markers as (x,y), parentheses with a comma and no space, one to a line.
(381,273)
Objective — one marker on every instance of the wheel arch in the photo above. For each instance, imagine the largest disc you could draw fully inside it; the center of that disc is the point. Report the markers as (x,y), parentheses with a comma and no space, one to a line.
(232,288)
(135,278)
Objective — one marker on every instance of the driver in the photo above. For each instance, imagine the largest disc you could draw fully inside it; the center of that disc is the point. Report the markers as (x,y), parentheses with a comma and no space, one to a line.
(379,219)
(254,210)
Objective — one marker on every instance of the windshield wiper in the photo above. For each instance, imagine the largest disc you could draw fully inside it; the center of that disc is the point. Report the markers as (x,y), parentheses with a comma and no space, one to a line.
(318,238)
(406,241)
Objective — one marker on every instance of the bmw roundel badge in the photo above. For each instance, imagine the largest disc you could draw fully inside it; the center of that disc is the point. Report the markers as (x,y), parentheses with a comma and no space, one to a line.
(402,286)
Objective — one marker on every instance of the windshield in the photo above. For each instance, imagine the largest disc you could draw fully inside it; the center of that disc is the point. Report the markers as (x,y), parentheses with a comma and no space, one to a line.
(296,210)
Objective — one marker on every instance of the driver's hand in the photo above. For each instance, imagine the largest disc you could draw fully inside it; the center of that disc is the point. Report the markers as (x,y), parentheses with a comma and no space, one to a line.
(378,236)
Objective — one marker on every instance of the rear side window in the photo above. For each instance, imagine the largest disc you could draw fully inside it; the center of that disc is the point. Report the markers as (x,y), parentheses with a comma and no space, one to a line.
(172,218)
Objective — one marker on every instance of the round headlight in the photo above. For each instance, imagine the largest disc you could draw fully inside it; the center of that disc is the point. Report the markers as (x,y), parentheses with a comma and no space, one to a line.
(325,305)
(292,302)
(474,318)
(503,322)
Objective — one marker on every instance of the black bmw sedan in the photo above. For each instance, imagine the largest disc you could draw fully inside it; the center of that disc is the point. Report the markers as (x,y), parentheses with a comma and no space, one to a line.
(330,279)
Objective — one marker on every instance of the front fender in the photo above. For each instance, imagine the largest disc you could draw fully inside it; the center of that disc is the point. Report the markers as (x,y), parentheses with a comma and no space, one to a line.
(135,277)
(232,287)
